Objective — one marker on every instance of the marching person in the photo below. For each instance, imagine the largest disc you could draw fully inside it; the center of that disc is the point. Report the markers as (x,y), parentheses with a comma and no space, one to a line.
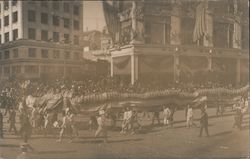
(166,115)
(134,121)
(12,120)
(1,125)
(238,118)
(156,116)
(101,120)
(190,117)
(126,125)
(204,122)
(26,127)
(65,127)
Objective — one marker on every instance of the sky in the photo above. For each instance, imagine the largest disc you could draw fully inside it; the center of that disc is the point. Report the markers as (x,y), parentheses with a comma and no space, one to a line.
(93,18)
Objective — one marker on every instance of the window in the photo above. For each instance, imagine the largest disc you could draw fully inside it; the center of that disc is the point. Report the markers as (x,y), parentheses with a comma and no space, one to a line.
(6,71)
(44,4)
(245,37)
(76,40)
(6,5)
(67,55)
(187,31)
(6,20)
(6,37)
(31,69)
(157,33)
(76,10)
(56,36)
(55,5)
(6,54)
(56,54)
(45,53)
(77,56)
(44,18)
(44,35)
(32,52)
(32,33)
(15,53)
(66,23)
(76,25)
(56,20)
(66,38)
(16,69)
(14,2)
(14,17)
(31,16)
(15,34)
(223,35)
(66,7)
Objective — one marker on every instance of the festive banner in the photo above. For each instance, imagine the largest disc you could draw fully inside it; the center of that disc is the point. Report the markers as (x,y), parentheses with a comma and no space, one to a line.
(111,18)
(193,64)
(122,65)
(200,28)
(156,64)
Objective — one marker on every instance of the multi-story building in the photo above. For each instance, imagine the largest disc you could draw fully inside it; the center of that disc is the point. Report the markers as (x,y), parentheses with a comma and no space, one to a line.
(40,39)
(177,40)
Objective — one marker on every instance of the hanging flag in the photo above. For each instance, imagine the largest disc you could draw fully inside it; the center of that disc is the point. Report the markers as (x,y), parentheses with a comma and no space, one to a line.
(200,28)
(112,19)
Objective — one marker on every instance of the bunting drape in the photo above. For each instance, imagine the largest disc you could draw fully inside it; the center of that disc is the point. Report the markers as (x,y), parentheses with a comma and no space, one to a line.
(111,18)
(200,28)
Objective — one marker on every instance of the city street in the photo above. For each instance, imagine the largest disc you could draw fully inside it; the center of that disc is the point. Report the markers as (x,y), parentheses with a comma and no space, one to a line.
(151,142)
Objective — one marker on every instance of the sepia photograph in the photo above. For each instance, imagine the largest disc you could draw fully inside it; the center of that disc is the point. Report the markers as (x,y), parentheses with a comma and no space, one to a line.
(124,79)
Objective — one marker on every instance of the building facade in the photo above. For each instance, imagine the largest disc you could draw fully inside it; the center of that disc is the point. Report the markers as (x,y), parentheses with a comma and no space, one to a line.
(40,39)
(187,41)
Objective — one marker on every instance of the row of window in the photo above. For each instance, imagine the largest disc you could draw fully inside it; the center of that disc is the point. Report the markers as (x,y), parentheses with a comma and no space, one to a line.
(33,53)
(45,4)
(6,20)
(32,34)
(55,20)
(6,4)
(160,33)
(7,36)
(34,69)
(56,5)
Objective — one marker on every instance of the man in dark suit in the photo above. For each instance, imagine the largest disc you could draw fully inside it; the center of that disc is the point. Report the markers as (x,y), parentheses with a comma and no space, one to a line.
(204,122)
(1,125)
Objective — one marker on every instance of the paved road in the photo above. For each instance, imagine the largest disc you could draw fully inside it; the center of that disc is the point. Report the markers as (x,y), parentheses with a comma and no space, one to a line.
(153,143)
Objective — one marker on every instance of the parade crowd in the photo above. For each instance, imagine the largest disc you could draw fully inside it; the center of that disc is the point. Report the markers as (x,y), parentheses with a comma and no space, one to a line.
(34,121)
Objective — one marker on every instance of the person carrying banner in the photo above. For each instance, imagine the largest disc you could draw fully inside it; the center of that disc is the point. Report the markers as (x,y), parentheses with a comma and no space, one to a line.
(101,120)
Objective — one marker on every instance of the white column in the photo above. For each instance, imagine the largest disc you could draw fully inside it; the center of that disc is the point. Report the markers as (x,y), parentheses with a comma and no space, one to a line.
(39,71)
(20,18)
(111,67)
(136,68)
(210,62)
(176,69)
(238,71)
(132,69)
(10,22)
(133,21)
